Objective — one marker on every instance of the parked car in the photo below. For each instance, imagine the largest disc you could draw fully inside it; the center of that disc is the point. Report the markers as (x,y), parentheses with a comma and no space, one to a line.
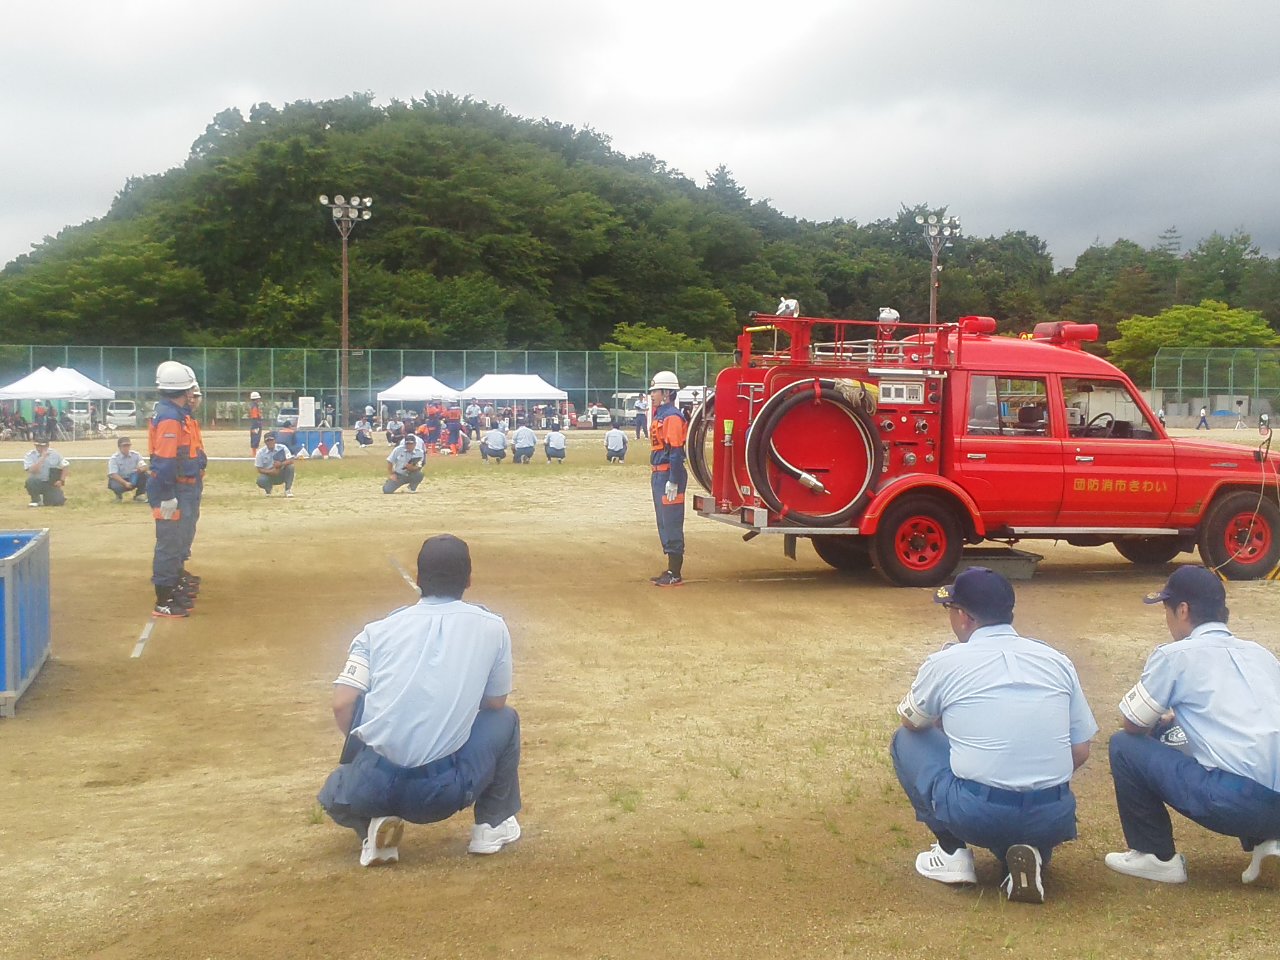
(287,417)
(122,413)
(78,411)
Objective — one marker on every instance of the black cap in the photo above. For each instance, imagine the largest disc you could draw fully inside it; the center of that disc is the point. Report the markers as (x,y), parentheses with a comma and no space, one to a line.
(271,436)
(981,592)
(444,565)
(1198,586)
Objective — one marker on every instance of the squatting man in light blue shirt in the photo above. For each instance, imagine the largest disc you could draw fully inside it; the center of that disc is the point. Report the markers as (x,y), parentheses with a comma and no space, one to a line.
(992,729)
(423,702)
(1219,762)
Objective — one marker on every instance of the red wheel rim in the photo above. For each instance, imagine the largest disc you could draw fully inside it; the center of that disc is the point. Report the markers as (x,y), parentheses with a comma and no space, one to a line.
(1248,538)
(920,543)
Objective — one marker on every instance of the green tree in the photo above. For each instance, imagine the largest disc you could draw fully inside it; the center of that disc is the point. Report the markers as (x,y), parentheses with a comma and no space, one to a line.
(1209,324)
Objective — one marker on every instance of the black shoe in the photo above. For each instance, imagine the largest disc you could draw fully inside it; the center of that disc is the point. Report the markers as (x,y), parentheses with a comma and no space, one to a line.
(190,577)
(1023,884)
(668,579)
(170,611)
(189,586)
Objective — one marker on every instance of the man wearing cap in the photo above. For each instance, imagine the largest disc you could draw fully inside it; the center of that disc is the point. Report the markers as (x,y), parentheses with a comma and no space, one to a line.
(275,466)
(423,701)
(46,475)
(124,471)
(1224,695)
(404,465)
(992,729)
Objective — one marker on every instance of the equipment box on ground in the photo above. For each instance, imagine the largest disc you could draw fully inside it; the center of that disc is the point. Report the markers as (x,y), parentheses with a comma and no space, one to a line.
(24,612)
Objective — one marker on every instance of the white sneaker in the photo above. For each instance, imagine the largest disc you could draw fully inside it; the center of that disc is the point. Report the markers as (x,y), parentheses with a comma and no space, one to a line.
(937,864)
(34,503)
(1148,866)
(382,844)
(288,493)
(1267,848)
(1023,884)
(487,839)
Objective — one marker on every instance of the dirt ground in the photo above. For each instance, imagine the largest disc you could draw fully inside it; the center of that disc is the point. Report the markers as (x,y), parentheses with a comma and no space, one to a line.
(705,769)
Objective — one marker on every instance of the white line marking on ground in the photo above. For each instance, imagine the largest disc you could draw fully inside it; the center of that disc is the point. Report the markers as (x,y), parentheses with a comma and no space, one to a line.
(404,574)
(772,579)
(142,640)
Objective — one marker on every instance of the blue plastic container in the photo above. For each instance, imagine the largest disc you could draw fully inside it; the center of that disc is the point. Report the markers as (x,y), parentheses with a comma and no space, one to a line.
(24,612)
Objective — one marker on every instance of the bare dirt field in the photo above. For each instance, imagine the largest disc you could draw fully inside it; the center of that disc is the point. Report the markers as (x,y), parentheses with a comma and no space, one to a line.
(705,769)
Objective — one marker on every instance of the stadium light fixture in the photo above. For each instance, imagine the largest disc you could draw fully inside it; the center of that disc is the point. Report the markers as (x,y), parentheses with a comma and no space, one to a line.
(346,213)
(939,232)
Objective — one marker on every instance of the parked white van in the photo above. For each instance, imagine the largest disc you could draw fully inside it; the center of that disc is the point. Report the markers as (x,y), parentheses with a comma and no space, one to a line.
(122,413)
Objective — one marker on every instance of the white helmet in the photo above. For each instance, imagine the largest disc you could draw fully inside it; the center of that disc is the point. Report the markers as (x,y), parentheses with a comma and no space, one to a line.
(664,380)
(172,375)
(888,315)
(255,395)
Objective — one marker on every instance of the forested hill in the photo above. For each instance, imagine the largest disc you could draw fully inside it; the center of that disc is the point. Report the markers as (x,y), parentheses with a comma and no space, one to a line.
(490,231)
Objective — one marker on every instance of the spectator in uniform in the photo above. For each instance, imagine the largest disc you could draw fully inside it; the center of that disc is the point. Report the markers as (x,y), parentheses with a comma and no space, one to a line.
(404,465)
(641,409)
(255,420)
(554,444)
(669,474)
(473,419)
(494,445)
(125,473)
(992,730)
(46,474)
(615,445)
(1201,735)
(275,465)
(364,432)
(395,430)
(423,700)
(523,444)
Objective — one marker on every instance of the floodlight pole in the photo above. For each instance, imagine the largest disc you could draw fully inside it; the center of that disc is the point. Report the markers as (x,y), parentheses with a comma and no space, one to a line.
(938,233)
(345,214)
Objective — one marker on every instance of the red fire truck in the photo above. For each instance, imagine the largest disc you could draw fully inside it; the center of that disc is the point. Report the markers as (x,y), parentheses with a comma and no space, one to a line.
(893,445)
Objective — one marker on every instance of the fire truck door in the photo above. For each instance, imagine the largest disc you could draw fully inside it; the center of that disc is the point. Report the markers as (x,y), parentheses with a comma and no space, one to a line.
(1006,456)
(1118,471)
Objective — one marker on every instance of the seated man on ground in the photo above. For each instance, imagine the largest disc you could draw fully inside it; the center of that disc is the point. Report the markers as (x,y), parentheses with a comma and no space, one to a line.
(46,475)
(615,445)
(404,465)
(992,729)
(554,444)
(423,701)
(275,465)
(125,473)
(1201,735)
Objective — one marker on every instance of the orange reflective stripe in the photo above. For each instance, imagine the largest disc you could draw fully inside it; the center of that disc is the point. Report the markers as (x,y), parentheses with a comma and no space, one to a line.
(661,467)
(674,430)
(165,439)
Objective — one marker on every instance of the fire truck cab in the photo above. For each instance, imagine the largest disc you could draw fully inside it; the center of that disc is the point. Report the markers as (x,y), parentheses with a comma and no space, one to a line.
(893,445)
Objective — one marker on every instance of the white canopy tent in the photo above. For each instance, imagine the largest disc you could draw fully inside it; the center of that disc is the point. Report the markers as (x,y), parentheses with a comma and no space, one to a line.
(64,383)
(512,386)
(412,389)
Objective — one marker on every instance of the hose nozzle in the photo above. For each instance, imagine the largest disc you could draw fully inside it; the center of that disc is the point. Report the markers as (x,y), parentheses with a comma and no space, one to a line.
(812,482)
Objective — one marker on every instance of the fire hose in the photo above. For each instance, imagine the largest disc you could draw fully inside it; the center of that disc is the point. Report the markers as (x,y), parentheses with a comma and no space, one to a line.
(701,420)
(851,397)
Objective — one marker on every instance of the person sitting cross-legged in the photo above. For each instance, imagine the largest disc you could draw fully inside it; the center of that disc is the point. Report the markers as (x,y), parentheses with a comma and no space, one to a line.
(275,465)
(423,702)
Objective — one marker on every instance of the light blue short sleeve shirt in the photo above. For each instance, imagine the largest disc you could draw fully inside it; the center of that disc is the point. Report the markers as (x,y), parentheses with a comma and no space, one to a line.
(1011,707)
(429,665)
(1225,693)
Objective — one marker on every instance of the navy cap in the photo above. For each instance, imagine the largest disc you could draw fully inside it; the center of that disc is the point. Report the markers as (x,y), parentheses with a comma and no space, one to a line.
(981,592)
(271,436)
(1198,586)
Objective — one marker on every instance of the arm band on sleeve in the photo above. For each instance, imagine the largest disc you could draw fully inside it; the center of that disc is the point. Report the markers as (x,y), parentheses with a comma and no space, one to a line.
(1139,708)
(355,673)
(916,718)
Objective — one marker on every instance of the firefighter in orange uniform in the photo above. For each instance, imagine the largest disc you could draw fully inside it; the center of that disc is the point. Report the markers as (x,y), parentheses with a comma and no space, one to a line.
(669,477)
(171,465)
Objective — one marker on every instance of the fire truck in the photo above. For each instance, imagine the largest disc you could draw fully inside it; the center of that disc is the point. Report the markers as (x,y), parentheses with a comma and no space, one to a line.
(893,445)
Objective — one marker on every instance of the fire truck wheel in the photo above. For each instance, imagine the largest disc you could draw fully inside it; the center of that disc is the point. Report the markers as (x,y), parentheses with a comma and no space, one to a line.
(1150,550)
(918,542)
(1237,541)
(848,554)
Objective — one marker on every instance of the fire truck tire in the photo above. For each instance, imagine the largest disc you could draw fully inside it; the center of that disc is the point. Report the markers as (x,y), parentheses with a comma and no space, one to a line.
(1240,536)
(918,542)
(1150,551)
(701,420)
(760,450)
(847,554)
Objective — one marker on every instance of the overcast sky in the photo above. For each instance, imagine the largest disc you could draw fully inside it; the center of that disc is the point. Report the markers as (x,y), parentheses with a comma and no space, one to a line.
(1076,121)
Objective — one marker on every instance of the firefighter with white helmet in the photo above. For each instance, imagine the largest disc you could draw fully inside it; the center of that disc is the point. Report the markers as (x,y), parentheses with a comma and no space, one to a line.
(255,420)
(669,474)
(172,466)
(190,496)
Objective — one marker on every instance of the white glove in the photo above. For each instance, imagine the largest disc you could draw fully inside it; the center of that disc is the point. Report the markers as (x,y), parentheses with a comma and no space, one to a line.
(168,508)
(671,490)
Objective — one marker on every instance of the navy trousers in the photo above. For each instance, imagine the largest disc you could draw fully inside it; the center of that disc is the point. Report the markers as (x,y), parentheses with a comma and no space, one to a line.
(670,516)
(974,813)
(484,772)
(189,497)
(1151,776)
